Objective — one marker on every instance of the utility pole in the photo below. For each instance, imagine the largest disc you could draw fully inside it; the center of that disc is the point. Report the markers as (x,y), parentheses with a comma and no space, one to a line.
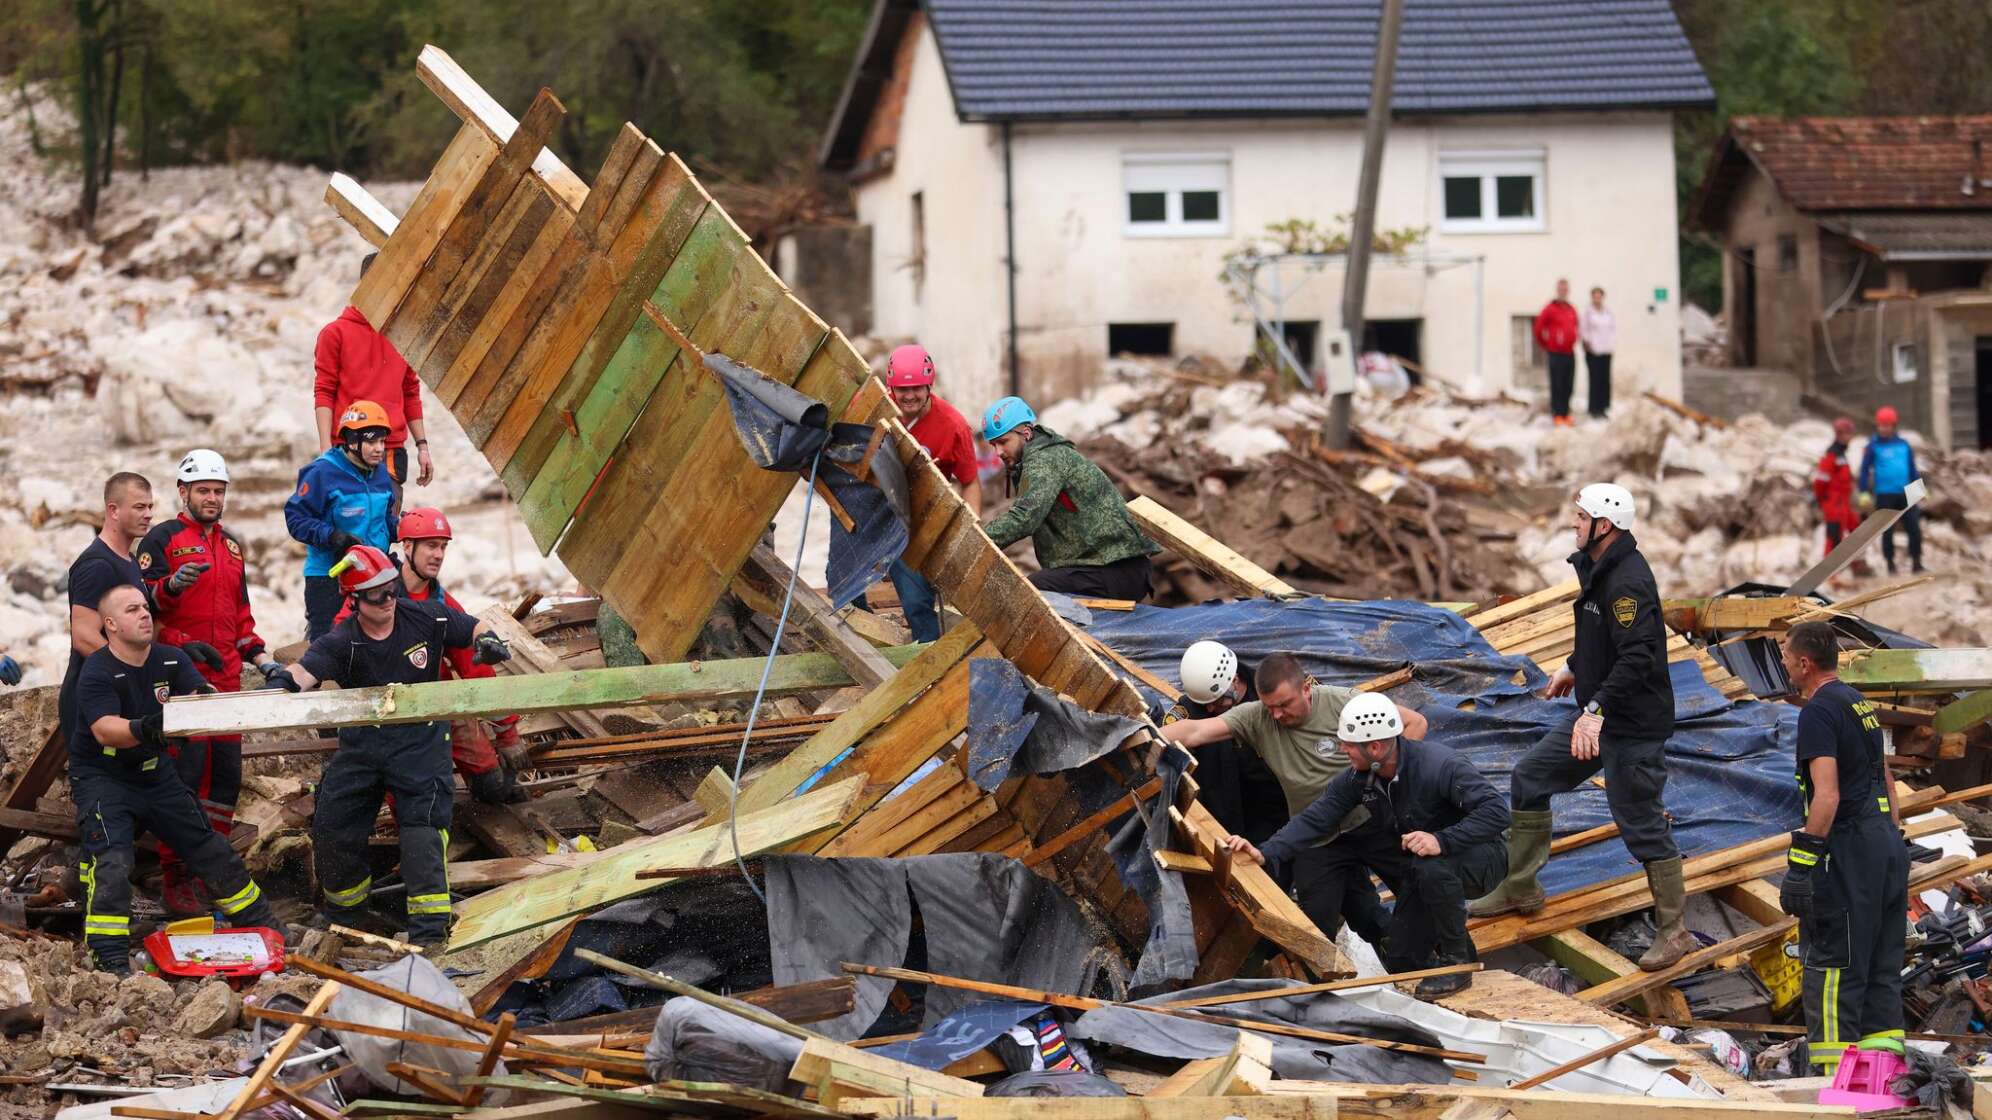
(1376,129)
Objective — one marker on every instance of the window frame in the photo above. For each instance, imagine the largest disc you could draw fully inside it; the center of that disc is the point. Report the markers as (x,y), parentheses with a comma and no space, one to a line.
(1489,166)
(1172,174)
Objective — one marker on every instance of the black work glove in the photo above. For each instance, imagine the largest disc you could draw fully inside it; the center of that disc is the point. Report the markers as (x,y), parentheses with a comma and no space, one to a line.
(10,670)
(342,540)
(491,649)
(1804,858)
(203,654)
(150,731)
(185,576)
(276,676)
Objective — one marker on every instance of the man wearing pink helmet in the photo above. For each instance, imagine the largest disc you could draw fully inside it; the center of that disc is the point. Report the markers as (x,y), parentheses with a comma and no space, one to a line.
(943,432)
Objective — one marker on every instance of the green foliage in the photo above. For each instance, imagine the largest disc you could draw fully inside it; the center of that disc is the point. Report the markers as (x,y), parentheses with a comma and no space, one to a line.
(1303,235)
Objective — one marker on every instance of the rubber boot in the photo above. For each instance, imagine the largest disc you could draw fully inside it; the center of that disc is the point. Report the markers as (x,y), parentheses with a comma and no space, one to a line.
(1439,987)
(1671,939)
(1528,850)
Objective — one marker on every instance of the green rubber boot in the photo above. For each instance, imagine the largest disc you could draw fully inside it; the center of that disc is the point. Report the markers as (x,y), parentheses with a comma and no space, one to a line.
(1671,939)
(1528,850)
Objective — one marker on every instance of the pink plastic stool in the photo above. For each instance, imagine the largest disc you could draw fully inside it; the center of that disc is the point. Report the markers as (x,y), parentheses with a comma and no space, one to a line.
(1863,1078)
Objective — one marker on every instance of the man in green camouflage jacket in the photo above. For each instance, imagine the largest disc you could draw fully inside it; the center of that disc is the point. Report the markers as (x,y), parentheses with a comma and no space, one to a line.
(1086,541)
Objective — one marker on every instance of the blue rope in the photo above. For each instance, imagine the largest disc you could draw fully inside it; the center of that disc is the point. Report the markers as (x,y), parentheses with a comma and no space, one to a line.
(768,667)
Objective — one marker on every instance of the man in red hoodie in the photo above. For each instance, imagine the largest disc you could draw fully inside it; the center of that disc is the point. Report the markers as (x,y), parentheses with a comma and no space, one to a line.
(1556,333)
(354,362)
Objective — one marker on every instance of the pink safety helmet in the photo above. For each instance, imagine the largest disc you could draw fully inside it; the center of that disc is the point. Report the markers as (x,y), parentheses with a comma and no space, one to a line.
(909,367)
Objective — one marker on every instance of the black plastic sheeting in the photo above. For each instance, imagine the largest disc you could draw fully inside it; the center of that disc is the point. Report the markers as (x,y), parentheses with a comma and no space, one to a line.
(1017,727)
(1758,662)
(964,1031)
(1169,1036)
(1729,764)
(985,917)
(783,429)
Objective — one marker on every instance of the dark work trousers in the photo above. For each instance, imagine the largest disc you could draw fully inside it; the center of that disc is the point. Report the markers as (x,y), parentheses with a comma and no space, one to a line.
(1599,366)
(1853,944)
(1562,379)
(1635,776)
(1912,521)
(1122,579)
(1332,885)
(1235,785)
(322,601)
(917,602)
(412,761)
(1429,913)
(112,808)
(212,768)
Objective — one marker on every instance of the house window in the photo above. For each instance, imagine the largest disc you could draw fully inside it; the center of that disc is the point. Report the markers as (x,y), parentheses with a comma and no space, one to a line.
(1154,340)
(1905,362)
(1787,253)
(1177,195)
(1491,192)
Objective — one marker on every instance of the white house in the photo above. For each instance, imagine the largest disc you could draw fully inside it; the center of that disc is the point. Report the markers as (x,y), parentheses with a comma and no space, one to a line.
(1114,151)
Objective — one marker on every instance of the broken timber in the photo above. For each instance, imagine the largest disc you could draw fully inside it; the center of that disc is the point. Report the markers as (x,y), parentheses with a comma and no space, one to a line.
(1211,556)
(1917,670)
(231,713)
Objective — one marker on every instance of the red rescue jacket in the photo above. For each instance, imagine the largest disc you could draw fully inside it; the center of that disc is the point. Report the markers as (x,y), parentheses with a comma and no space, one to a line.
(215,609)
(1556,327)
(1833,481)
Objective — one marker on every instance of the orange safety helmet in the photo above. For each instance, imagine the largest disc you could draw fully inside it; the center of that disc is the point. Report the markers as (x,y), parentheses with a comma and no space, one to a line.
(363,567)
(423,524)
(1885,415)
(361,415)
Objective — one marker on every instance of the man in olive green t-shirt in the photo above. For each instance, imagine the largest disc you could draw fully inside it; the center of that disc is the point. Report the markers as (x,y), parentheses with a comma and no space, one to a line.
(1292,726)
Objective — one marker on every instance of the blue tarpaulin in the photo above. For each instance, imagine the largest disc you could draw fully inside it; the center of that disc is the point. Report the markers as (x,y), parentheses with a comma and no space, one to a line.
(1730,765)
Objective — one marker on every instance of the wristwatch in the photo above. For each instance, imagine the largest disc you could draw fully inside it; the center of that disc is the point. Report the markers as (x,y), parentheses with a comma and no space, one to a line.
(1592,709)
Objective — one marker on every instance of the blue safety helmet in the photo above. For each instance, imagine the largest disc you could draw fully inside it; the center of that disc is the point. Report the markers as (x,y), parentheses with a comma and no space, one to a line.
(1005,415)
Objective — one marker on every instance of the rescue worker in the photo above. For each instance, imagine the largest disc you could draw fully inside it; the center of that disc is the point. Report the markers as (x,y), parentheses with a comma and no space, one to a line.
(194,568)
(354,362)
(343,498)
(1833,486)
(1086,541)
(1236,786)
(481,757)
(1625,712)
(390,639)
(123,783)
(1288,727)
(942,431)
(104,563)
(1888,466)
(1847,872)
(1436,840)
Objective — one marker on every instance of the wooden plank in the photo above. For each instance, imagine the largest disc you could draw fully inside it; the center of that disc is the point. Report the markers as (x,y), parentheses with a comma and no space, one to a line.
(1917,670)
(529,654)
(1210,555)
(1326,986)
(889,757)
(1626,987)
(1594,962)
(1254,894)
(278,1052)
(1963,714)
(1183,863)
(465,347)
(479,109)
(407,251)
(609,876)
(856,1072)
(1098,1108)
(271,710)
(374,222)
(1732,612)
(772,577)
(1219,1077)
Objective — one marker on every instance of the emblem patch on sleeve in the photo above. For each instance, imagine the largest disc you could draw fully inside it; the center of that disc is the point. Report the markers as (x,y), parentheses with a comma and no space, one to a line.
(1625,609)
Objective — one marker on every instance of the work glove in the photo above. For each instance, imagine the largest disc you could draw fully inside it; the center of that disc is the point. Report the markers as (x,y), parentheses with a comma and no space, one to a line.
(509,747)
(276,676)
(1806,854)
(203,654)
(150,731)
(10,670)
(249,649)
(185,576)
(342,540)
(491,649)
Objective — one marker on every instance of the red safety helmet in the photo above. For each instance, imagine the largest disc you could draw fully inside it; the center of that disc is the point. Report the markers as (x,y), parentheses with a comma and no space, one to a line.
(1843,427)
(423,524)
(909,367)
(363,567)
(1885,415)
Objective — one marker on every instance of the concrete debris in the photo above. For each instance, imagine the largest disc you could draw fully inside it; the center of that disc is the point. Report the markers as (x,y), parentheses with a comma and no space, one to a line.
(213,1009)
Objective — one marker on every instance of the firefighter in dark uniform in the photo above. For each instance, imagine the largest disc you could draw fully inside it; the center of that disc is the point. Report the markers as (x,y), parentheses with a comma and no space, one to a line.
(390,639)
(1847,872)
(1236,786)
(123,781)
(1625,712)
(1434,837)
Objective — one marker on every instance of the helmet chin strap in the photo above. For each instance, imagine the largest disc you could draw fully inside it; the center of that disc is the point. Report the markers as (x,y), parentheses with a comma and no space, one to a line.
(1590,534)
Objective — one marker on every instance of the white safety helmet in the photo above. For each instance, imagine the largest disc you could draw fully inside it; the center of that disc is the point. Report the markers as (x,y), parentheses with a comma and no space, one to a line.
(1369,717)
(203,465)
(1608,501)
(1207,670)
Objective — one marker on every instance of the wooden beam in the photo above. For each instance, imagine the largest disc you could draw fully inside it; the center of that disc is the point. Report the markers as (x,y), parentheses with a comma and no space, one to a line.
(473,106)
(1917,670)
(278,1052)
(1221,1076)
(771,577)
(374,222)
(227,713)
(530,655)
(1733,612)
(847,1071)
(1854,543)
(1594,962)
(1098,1108)
(1325,986)
(1330,1100)
(1210,555)
(1964,714)
(50,761)
(1254,894)
(1183,863)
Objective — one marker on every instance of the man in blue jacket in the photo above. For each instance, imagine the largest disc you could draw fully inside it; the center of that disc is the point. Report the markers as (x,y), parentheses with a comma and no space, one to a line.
(1888,466)
(344,498)
(1435,840)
